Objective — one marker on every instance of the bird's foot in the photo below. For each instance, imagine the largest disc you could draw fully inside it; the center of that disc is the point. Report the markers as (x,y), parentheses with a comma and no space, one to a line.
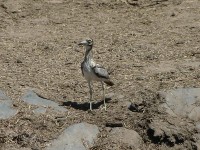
(91,112)
(104,108)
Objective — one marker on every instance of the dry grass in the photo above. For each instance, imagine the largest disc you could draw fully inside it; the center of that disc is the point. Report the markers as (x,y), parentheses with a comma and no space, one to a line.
(38,50)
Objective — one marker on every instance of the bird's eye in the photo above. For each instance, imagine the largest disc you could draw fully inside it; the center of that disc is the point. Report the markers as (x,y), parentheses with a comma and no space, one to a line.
(89,42)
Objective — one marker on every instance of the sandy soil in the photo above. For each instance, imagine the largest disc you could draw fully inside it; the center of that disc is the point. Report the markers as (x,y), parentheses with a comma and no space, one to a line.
(144,43)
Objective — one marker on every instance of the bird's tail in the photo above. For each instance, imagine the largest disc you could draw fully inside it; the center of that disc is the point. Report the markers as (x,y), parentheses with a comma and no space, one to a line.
(108,82)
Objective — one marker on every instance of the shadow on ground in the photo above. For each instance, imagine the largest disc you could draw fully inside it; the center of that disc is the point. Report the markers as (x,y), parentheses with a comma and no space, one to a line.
(85,106)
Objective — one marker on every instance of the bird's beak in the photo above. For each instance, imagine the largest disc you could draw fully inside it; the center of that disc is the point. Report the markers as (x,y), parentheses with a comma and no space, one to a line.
(83,43)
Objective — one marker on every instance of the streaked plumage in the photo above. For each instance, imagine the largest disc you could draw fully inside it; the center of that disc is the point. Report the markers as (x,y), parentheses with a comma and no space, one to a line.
(92,71)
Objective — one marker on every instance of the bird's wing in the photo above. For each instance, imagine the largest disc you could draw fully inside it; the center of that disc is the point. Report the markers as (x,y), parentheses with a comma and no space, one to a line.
(100,71)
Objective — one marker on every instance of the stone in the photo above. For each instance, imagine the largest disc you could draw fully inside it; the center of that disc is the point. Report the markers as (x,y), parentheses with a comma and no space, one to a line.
(183,102)
(126,136)
(33,99)
(6,110)
(79,136)
(13,6)
(179,103)
(136,107)
(40,110)
(167,109)
(169,133)
(198,126)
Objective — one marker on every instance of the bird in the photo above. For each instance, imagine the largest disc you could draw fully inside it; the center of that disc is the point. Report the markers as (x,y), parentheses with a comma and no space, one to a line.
(92,71)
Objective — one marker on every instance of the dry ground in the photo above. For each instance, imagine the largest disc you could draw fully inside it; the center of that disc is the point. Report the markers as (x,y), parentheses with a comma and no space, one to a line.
(38,50)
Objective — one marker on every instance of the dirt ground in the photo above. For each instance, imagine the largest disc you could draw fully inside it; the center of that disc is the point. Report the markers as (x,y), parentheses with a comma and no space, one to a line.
(143,44)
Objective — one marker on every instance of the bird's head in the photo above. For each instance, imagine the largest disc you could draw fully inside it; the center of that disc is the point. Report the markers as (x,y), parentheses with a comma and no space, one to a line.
(87,43)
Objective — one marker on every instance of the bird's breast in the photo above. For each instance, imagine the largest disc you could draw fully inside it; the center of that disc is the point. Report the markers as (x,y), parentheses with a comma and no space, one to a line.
(87,71)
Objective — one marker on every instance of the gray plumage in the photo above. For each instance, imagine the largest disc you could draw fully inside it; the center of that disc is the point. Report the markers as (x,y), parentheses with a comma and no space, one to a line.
(100,72)
(92,71)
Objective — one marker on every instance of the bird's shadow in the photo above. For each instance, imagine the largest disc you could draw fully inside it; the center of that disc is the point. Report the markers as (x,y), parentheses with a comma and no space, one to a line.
(84,106)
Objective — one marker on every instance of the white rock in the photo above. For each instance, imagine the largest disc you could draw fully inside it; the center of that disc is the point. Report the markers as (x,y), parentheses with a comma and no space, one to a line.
(123,135)
(33,99)
(6,110)
(79,136)
(183,102)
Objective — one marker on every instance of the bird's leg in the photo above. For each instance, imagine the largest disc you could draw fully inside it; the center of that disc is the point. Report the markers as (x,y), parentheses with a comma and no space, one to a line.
(91,96)
(104,99)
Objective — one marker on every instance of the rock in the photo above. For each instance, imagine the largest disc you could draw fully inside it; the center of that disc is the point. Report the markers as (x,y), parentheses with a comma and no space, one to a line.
(126,136)
(167,109)
(79,136)
(183,102)
(137,107)
(179,103)
(13,6)
(40,110)
(198,126)
(195,114)
(133,2)
(161,131)
(6,110)
(33,99)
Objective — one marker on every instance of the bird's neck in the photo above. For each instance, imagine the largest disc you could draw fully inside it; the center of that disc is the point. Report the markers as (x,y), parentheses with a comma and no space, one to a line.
(88,53)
